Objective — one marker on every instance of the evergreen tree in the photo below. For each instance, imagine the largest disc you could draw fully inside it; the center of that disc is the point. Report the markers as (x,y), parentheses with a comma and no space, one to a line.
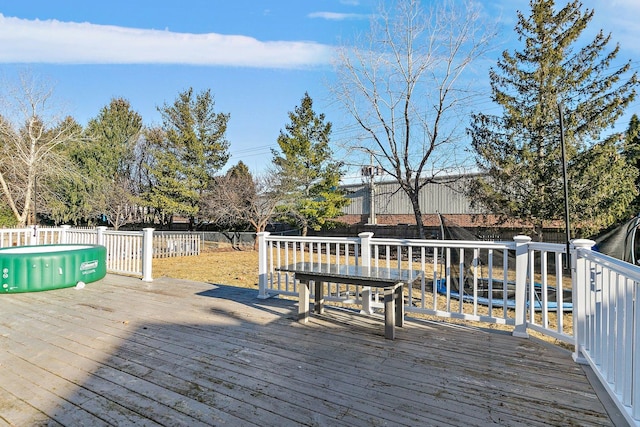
(63,197)
(229,198)
(632,154)
(103,159)
(193,149)
(602,166)
(113,135)
(108,156)
(520,151)
(238,200)
(308,174)
(240,173)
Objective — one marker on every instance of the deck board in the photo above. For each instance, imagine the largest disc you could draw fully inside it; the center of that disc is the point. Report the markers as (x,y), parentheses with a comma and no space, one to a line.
(174,352)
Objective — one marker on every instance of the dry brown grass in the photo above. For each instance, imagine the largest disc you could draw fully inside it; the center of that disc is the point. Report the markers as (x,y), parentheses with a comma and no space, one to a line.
(229,267)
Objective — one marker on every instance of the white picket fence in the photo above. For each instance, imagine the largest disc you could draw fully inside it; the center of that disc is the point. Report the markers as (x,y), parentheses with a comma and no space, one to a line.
(602,322)
(172,244)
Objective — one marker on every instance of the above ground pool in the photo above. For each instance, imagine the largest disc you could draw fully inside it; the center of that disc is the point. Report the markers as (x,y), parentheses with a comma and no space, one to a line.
(46,267)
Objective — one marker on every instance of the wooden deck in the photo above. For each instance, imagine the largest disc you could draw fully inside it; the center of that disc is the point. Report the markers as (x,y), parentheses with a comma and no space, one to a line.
(123,352)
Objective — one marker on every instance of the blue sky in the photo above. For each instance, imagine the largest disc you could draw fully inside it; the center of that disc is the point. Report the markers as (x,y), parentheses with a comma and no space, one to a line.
(258,57)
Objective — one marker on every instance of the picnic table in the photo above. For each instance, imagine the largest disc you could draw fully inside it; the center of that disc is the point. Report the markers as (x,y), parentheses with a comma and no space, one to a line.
(391,280)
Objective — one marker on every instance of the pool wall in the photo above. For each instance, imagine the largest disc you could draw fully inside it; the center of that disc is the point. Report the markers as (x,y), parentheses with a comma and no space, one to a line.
(47,267)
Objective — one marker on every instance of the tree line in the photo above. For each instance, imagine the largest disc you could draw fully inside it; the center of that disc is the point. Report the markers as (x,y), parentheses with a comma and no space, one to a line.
(118,171)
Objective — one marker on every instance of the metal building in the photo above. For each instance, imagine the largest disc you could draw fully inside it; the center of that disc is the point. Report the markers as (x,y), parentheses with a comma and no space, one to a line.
(445,196)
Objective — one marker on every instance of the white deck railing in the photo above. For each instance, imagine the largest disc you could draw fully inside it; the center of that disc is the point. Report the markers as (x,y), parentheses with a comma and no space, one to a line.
(480,263)
(601,320)
(607,322)
(127,252)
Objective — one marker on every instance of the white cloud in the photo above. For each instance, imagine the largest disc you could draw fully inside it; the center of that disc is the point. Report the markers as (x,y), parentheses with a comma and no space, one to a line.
(52,41)
(333,16)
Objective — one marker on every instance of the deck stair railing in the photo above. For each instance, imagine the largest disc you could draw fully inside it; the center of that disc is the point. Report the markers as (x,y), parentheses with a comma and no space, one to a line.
(601,319)
(607,323)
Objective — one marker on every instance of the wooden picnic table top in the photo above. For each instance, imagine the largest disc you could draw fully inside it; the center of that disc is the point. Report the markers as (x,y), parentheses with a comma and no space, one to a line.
(369,275)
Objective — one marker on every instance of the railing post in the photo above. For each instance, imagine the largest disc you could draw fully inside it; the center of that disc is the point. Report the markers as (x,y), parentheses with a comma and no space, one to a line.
(580,284)
(263,274)
(100,235)
(365,261)
(147,254)
(522,262)
(62,239)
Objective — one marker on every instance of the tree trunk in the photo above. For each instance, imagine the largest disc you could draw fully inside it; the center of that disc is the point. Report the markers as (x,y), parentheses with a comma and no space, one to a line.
(417,214)
(537,229)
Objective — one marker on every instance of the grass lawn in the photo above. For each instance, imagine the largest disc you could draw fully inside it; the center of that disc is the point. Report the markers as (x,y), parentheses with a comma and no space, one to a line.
(229,267)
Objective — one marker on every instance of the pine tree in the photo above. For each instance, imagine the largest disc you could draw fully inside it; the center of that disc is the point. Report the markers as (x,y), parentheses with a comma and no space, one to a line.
(632,154)
(107,157)
(187,154)
(520,152)
(229,199)
(308,173)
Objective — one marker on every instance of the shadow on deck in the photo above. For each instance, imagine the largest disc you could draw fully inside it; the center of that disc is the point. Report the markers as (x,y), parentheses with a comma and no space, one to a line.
(174,352)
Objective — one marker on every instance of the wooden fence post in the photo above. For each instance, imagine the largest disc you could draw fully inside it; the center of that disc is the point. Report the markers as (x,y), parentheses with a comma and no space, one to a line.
(522,262)
(147,254)
(263,274)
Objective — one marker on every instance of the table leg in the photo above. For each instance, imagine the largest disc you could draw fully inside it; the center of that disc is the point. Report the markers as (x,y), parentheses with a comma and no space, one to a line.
(366,300)
(319,298)
(303,302)
(399,297)
(389,313)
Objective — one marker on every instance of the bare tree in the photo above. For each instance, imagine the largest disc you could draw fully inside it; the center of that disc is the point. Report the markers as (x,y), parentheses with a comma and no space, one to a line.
(30,133)
(120,205)
(231,200)
(405,89)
